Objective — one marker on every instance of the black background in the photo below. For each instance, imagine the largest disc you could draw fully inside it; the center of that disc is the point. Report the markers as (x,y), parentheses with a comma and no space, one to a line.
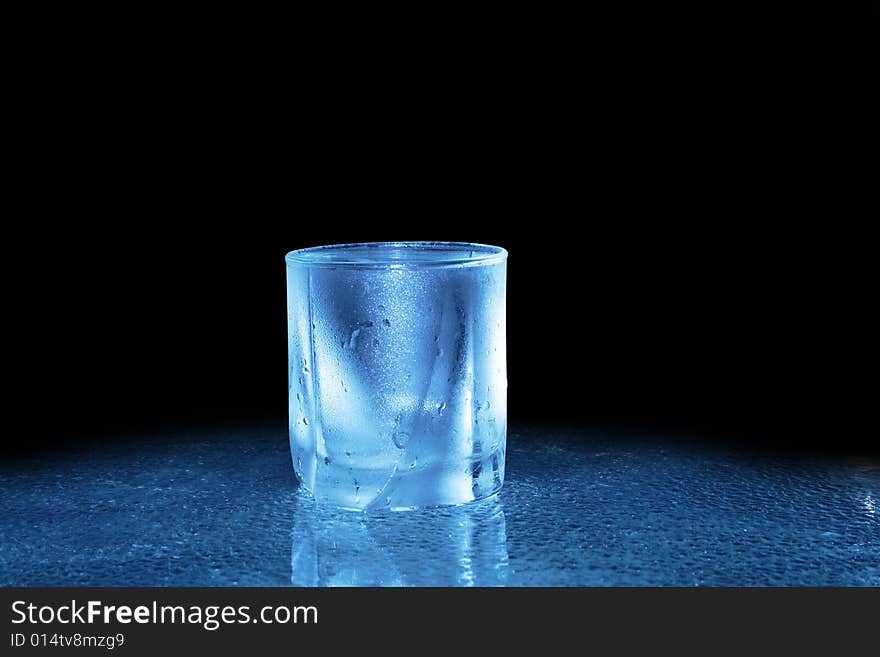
(644,278)
(162,304)
(183,321)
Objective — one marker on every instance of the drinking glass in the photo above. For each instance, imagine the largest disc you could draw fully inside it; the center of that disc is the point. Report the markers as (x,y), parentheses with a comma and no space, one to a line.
(397,372)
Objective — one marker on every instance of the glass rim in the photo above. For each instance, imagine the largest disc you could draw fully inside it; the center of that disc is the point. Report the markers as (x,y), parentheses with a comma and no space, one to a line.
(328,255)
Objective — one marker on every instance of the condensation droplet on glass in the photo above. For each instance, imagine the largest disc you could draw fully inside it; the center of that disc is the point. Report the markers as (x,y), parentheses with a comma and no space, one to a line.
(400,439)
(306,421)
(441,408)
(326,460)
(386,322)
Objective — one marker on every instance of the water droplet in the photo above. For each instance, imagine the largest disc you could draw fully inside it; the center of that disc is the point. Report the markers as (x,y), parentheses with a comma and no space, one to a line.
(356,482)
(299,463)
(375,342)
(400,439)
(441,408)
(436,338)
(326,460)
(386,322)
(413,464)
(301,382)
(439,352)
(348,453)
(305,370)
(352,342)
(298,397)
(306,421)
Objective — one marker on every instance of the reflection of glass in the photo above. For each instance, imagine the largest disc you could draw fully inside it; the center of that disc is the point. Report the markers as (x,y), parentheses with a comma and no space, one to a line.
(397,372)
(450,546)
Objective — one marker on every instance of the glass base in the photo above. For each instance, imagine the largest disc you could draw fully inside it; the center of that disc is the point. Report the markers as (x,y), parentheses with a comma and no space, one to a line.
(402,487)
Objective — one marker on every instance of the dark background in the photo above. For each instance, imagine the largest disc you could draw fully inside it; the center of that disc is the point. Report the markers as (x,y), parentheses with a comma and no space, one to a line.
(162,306)
(162,322)
(646,284)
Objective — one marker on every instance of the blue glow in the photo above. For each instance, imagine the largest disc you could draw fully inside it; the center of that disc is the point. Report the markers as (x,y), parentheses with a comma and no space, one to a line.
(398,374)
(466,545)
(221,509)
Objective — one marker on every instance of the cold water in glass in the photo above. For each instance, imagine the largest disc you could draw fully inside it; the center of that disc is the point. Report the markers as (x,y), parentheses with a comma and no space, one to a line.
(397,372)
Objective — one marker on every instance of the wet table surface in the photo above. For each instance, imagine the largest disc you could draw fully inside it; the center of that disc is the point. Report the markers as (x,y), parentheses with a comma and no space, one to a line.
(222,508)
